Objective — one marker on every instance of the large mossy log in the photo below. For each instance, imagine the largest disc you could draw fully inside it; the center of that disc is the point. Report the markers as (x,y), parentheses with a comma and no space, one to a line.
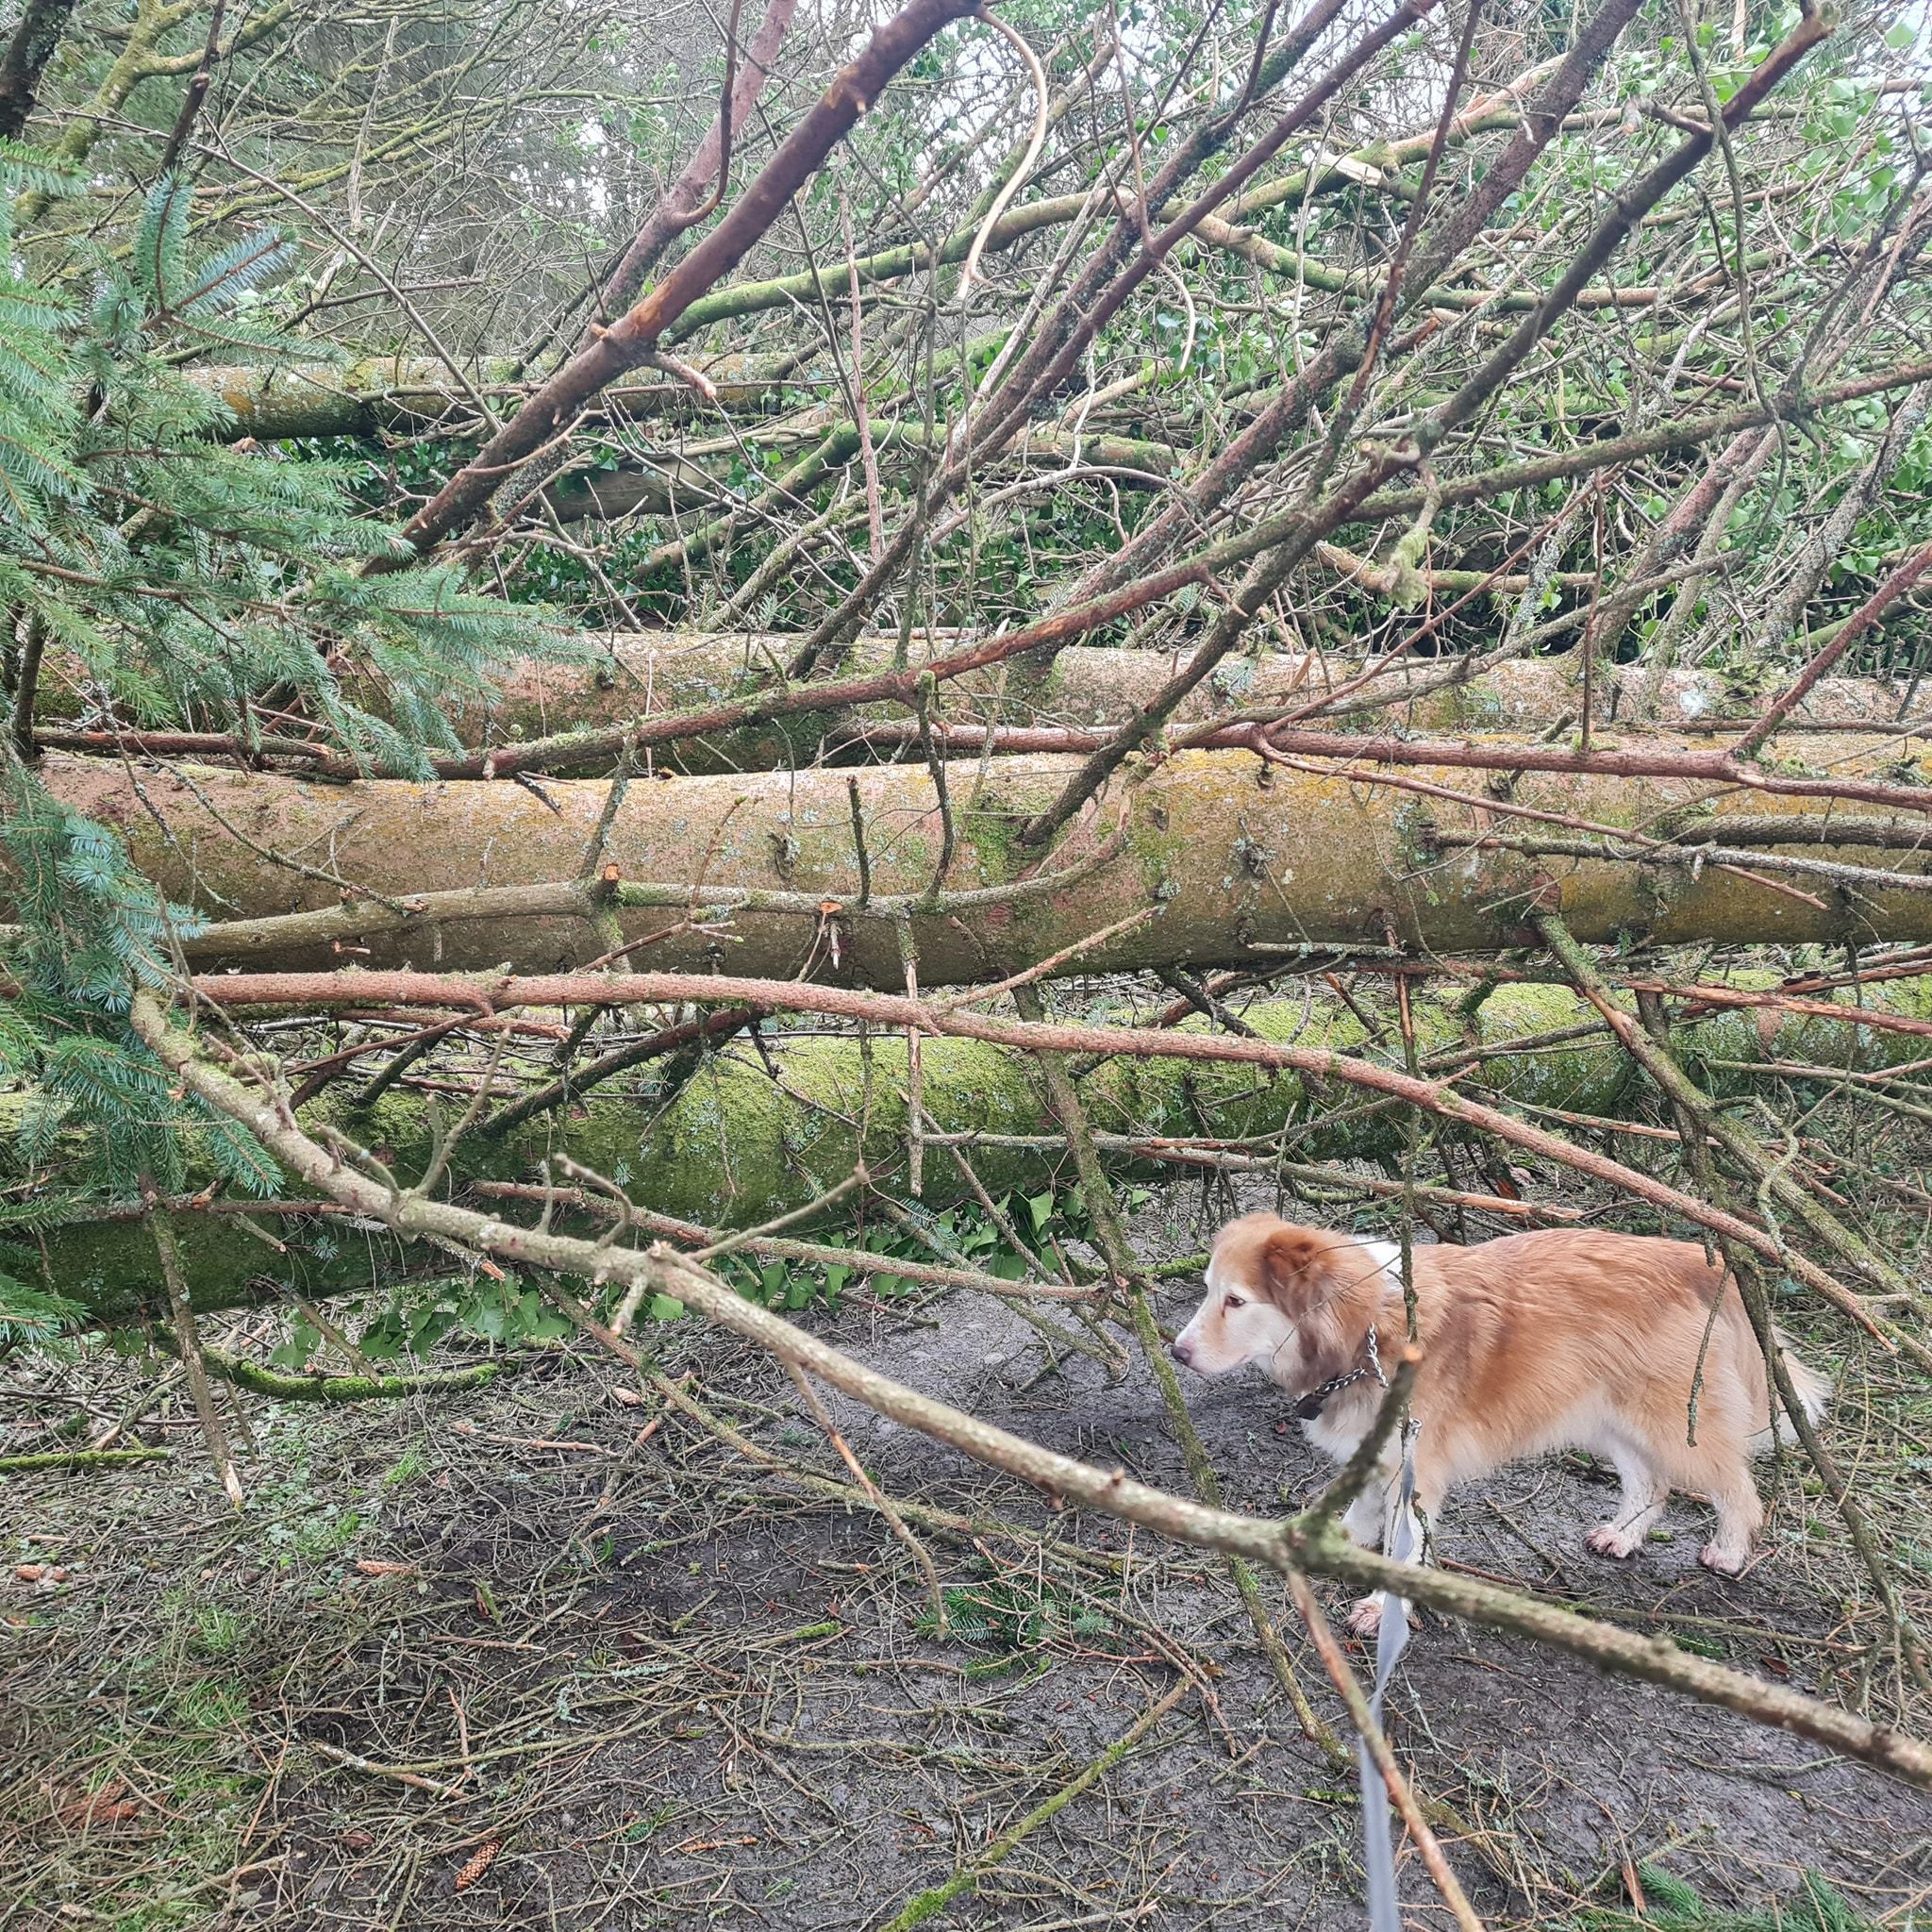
(737,1146)
(1231,861)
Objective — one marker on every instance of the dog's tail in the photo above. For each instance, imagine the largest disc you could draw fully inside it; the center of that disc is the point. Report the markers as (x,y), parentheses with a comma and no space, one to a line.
(1813,1391)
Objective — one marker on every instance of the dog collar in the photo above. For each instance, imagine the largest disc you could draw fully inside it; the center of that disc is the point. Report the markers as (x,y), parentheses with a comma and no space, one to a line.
(1316,1400)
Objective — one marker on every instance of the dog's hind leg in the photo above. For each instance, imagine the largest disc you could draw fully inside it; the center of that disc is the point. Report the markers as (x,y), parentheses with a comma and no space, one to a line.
(1739,1514)
(1718,1466)
(1641,1503)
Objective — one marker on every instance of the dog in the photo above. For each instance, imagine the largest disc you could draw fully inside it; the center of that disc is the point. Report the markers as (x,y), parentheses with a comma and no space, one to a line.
(1564,1339)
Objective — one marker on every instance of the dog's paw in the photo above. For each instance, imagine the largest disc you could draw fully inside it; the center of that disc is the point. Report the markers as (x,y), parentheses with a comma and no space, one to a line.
(1610,1540)
(1723,1560)
(1365,1616)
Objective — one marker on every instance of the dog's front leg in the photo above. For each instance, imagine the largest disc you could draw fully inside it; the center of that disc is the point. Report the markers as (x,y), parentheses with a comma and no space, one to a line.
(1402,1533)
(1366,1519)
(1367,1523)
(1365,1613)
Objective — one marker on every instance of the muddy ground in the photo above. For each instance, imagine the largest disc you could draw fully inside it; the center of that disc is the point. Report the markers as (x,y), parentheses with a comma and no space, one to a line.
(547,1654)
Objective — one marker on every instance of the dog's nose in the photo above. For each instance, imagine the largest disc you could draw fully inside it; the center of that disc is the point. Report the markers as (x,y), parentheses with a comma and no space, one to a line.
(1184,1354)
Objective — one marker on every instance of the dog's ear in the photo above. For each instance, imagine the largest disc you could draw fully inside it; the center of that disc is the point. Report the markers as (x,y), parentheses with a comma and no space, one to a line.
(1294,1268)
(1298,1275)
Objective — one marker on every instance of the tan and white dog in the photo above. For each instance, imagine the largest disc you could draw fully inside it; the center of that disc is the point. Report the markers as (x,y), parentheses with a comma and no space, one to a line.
(1568,1339)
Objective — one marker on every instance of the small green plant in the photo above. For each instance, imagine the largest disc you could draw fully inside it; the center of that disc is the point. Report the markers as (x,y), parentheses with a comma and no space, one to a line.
(405,1469)
(640,1828)
(1671,1906)
(219,1631)
(325,1533)
(210,1703)
(1011,1617)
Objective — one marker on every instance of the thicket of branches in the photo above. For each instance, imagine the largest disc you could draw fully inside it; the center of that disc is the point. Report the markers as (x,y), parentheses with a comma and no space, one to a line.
(835,505)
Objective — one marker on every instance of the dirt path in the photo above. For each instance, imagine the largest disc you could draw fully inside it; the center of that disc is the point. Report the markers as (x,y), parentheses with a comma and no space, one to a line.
(671,1690)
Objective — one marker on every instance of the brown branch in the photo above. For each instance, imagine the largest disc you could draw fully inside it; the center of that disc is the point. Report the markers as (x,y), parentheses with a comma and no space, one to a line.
(197,90)
(188,1346)
(588,898)
(1297,1544)
(1643,762)
(1376,1743)
(556,404)
(32,655)
(1440,1098)
(1863,619)
(680,206)
(192,744)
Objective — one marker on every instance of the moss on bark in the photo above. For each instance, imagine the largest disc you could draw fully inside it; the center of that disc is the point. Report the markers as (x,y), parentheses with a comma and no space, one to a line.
(736,1148)
(1236,856)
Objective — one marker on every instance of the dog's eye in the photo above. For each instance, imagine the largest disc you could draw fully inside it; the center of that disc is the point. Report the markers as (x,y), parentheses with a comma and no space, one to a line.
(1233,1301)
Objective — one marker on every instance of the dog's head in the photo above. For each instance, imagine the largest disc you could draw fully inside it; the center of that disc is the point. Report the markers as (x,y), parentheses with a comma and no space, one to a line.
(1272,1289)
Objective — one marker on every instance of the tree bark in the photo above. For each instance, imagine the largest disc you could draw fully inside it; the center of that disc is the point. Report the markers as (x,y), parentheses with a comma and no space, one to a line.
(1088,685)
(1237,862)
(376,394)
(42,23)
(623,677)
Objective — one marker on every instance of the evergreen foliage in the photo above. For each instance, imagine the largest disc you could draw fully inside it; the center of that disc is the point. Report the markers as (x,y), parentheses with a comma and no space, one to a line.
(1671,1906)
(186,582)
(191,579)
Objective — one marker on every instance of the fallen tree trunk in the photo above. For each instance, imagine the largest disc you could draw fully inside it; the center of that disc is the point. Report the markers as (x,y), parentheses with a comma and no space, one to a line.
(741,1144)
(377,393)
(1229,859)
(1092,687)
(821,442)
(621,678)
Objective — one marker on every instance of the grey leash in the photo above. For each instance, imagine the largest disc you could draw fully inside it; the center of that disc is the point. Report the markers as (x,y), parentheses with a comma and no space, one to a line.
(1379,1851)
